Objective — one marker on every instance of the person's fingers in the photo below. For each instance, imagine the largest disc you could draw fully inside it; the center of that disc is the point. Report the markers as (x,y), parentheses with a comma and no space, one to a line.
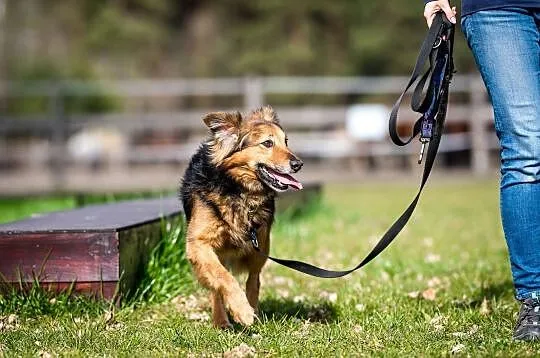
(448,11)
(433,7)
(429,11)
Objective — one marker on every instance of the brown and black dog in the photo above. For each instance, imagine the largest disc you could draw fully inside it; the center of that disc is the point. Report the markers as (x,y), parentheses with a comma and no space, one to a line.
(229,188)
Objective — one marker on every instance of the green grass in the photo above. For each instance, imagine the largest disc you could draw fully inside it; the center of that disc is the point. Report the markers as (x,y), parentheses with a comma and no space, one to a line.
(443,286)
(15,209)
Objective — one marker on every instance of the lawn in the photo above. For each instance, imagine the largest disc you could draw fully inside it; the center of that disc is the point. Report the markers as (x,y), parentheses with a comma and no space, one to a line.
(442,288)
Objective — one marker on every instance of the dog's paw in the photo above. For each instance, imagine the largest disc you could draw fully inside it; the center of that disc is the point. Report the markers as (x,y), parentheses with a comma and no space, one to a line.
(238,306)
(223,324)
(244,314)
(221,321)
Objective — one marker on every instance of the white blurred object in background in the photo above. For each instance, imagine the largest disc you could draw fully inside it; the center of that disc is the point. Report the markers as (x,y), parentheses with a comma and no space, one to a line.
(367,122)
(98,145)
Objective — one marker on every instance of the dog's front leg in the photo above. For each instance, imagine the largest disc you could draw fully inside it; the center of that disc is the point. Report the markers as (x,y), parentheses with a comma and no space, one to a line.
(253,285)
(219,315)
(211,274)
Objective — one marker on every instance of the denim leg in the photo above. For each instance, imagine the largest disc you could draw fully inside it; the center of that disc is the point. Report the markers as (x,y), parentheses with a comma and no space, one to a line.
(506,47)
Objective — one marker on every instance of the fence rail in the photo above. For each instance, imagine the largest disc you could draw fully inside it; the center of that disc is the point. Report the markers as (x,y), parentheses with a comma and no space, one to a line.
(316,130)
(223,86)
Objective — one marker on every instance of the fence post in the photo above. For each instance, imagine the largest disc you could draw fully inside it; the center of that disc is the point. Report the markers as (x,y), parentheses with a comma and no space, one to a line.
(59,142)
(253,93)
(479,145)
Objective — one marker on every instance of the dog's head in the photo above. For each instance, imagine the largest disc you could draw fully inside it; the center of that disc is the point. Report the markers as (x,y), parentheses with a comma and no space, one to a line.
(253,149)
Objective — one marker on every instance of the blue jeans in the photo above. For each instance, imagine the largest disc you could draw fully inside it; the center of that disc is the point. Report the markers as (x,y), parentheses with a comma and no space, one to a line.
(506,46)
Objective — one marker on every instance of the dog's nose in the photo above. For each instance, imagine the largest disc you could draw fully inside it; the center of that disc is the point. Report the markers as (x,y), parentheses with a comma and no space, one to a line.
(296,164)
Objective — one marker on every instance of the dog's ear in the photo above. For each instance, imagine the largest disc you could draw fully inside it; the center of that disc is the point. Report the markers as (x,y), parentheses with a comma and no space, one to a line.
(225,129)
(265,113)
(223,123)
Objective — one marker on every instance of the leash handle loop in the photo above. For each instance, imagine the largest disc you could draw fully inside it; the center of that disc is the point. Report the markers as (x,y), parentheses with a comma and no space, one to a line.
(427,52)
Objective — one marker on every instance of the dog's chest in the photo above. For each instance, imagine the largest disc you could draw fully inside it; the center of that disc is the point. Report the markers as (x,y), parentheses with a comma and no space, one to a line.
(247,214)
(259,212)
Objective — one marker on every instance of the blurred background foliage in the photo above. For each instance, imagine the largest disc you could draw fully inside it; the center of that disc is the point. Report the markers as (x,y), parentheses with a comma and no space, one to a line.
(47,70)
(88,39)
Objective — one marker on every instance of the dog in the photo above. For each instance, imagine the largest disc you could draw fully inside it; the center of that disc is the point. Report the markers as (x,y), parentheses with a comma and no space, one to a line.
(228,190)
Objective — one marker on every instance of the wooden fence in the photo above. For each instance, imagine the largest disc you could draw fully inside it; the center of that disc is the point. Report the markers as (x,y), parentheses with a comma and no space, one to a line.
(316,131)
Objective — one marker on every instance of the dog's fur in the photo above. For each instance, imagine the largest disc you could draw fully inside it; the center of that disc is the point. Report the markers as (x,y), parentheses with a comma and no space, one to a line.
(226,191)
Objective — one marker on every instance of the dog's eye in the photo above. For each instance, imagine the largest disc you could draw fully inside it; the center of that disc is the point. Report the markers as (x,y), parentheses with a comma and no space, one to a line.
(287,141)
(268,143)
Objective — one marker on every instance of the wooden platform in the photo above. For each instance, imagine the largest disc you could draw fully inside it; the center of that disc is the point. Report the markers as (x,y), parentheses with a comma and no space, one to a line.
(91,247)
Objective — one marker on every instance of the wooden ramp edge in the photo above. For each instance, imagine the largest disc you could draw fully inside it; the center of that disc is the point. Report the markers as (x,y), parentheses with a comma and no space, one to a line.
(89,248)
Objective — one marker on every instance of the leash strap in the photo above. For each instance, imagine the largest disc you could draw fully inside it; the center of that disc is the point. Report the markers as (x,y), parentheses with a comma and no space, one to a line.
(438,48)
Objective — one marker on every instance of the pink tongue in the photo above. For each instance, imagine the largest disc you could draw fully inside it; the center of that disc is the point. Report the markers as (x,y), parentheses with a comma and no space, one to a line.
(288,180)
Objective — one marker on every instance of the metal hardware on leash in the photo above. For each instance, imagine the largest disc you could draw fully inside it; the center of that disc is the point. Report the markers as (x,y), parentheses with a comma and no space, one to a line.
(424,142)
(438,42)
(426,133)
(253,237)
(428,119)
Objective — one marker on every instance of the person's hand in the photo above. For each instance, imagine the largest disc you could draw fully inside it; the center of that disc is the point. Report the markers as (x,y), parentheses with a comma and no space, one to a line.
(433,6)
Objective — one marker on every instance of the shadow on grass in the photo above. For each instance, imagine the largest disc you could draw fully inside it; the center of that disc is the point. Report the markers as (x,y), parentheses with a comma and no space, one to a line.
(494,291)
(279,308)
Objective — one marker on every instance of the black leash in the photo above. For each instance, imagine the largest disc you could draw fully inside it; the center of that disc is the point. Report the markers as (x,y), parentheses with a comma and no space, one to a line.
(438,48)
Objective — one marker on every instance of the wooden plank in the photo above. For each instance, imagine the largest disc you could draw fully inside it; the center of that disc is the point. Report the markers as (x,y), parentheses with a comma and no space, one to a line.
(97,218)
(94,248)
(218,86)
(305,117)
(135,247)
(59,256)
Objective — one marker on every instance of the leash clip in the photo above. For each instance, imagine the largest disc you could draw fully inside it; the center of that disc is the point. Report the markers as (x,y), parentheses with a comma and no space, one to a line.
(253,238)
(426,133)
(424,142)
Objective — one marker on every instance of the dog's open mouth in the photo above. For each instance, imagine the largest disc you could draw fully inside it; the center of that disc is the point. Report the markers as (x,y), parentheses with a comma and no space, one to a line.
(278,181)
